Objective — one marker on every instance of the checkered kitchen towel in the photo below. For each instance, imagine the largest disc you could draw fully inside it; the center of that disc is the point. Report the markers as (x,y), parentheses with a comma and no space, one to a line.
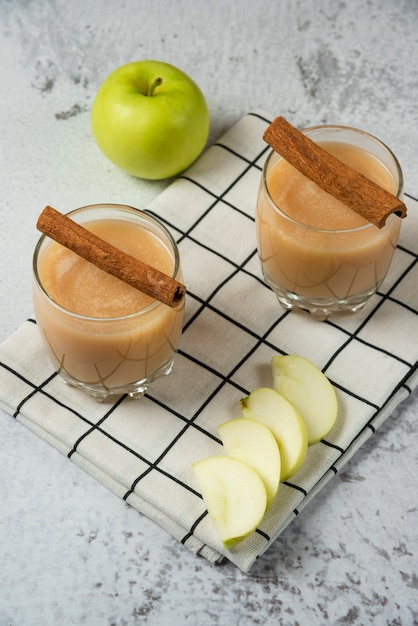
(143,450)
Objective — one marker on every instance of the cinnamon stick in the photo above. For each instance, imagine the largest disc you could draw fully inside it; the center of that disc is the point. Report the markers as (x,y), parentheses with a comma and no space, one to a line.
(356,191)
(107,257)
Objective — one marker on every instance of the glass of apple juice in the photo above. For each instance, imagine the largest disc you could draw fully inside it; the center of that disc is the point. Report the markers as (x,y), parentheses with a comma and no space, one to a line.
(315,252)
(103,335)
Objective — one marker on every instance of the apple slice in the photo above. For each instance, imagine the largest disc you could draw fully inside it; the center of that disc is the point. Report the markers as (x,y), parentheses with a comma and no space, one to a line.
(309,390)
(274,411)
(254,443)
(234,495)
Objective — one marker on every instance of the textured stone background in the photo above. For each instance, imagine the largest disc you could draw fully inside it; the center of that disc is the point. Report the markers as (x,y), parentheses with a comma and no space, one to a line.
(79,555)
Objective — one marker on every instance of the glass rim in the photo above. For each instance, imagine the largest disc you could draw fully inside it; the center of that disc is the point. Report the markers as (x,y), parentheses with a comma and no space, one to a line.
(336,127)
(147,216)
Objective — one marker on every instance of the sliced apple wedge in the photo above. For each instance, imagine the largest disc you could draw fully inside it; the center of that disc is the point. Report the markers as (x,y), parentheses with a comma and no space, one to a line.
(234,494)
(252,442)
(302,383)
(274,411)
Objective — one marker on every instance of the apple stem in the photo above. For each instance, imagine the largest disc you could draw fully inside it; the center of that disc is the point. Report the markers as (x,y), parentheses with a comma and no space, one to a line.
(155,83)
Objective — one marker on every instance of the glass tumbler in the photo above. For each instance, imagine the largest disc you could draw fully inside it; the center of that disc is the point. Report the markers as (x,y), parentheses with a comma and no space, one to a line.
(102,335)
(317,254)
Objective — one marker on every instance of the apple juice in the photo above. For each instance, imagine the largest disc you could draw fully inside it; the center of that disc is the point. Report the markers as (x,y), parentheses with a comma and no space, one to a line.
(313,247)
(100,332)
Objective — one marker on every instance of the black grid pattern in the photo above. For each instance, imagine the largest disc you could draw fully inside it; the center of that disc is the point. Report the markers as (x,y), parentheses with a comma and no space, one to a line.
(143,450)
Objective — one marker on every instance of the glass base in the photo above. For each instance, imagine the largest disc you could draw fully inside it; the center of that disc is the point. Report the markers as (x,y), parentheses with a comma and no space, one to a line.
(322,309)
(134,390)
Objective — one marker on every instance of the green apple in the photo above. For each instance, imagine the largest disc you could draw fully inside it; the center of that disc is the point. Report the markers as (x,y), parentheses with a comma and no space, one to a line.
(150,119)
(234,495)
(309,390)
(274,411)
(254,443)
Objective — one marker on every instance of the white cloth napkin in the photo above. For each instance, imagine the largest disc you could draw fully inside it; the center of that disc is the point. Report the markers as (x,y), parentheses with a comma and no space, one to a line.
(143,450)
